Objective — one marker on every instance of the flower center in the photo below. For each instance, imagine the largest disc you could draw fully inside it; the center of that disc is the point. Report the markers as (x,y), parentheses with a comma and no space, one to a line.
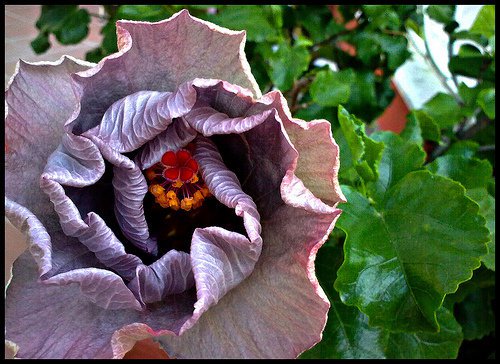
(175,182)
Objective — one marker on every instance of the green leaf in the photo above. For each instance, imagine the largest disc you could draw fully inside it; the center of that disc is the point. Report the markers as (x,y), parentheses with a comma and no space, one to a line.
(332,88)
(429,129)
(485,21)
(486,204)
(486,99)
(465,34)
(363,100)
(470,172)
(287,63)
(442,13)
(143,12)
(475,314)
(365,152)
(67,22)
(405,253)
(75,28)
(463,148)
(348,335)
(317,21)
(471,62)
(41,43)
(481,278)
(443,109)
(412,131)
(259,21)
(399,157)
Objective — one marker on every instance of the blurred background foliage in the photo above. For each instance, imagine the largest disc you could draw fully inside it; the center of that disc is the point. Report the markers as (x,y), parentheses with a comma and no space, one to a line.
(336,62)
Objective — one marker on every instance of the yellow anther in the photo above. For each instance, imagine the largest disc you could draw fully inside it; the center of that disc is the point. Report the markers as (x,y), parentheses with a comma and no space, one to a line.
(156,190)
(177,184)
(171,195)
(187,203)
(205,192)
(173,204)
(162,200)
(198,199)
(194,179)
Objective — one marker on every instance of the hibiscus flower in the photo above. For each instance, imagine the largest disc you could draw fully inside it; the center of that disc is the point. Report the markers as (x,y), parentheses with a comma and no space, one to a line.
(164,197)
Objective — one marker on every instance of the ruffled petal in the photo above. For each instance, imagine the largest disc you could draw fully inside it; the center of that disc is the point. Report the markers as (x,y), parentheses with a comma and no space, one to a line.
(176,136)
(280,310)
(38,100)
(209,121)
(130,187)
(102,287)
(92,233)
(318,164)
(171,274)
(161,56)
(225,186)
(59,322)
(133,120)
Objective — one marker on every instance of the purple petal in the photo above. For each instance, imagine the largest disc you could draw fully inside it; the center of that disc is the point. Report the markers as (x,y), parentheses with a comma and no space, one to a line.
(318,164)
(93,233)
(280,310)
(133,120)
(39,99)
(161,56)
(171,274)
(176,136)
(221,260)
(130,187)
(58,322)
(209,121)
(225,186)
(102,287)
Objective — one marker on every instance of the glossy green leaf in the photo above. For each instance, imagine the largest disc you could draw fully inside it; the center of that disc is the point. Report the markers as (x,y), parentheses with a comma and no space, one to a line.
(348,335)
(443,109)
(287,63)
(470,172)
(481,278)
(442,13)
(259,21)
(143,12)
(412,131)
(363,100)
(475,313)
(428,128)
(486,204)
(365,152)
(332,88)
(75,28)
(463,148)
(471,62)
(485,21)
(486,99)
(399,157)
(405,253)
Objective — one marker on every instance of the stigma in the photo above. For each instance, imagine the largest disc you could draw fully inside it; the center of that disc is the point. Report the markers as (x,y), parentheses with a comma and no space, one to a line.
(175,182)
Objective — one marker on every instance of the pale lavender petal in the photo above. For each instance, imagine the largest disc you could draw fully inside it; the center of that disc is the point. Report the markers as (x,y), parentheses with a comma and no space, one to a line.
(100,240)
(59,322)
(130,187)
(176,136)
(221,260)
(318,164)
(76,162)
(161,56)
(93,232)
(38,101)
(225,186)
(133,120)
(169,275)
(209,121)
(102,287)
(280,310)
(38,237)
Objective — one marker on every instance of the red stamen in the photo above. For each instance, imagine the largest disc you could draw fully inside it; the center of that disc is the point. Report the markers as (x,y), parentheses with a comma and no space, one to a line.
(186,174)
(182,157)
(192,164)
